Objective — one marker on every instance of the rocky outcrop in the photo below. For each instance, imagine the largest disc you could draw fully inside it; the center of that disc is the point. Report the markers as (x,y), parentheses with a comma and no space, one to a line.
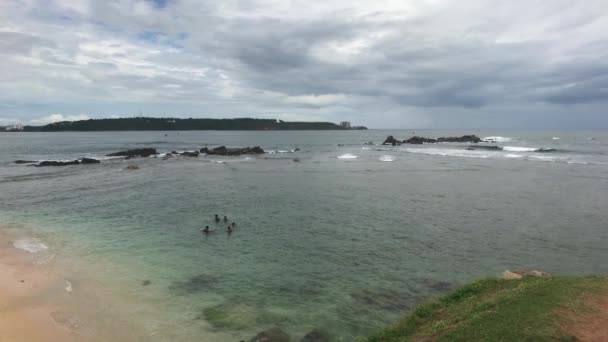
(57,163)
(314,336)
(422,140)
(89,161)
(138,152)
(485,148)
(271,335)
(25,161)
(419,140)
(390,140)
(510,275)
(224,151)
(190,154)
(463,139)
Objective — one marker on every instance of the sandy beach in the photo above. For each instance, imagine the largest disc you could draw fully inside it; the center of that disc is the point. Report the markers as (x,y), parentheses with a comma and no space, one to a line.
(29,309)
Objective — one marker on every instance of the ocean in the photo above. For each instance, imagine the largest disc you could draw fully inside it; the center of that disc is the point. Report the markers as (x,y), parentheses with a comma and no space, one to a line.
(332,234)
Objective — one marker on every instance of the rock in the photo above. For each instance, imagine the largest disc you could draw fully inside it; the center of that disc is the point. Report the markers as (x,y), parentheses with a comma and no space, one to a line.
(419,140)
(138,152)
(369,143)
(25,161)
(297,160)
(485,148)
(463,139)
(89,161)
(57,163)
(132,167)
(390,140)
(314,336)
(223,151)
(190,154)
(271,335)
(510,275)
(174,152)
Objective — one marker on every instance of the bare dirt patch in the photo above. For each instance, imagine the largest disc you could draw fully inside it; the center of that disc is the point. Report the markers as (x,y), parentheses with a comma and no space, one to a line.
(590,325)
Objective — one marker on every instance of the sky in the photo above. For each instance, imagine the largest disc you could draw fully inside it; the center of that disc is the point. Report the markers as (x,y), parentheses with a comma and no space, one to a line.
(381,63)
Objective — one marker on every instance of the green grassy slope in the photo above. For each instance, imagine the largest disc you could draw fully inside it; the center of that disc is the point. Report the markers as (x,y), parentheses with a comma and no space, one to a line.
(498,310)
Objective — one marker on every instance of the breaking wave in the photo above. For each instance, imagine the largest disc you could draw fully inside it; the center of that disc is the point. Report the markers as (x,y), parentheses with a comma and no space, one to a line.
(347,156)
(496,139)
(387,158)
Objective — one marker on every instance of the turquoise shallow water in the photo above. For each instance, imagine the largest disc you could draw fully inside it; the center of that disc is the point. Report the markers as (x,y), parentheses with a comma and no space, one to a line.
(340,245)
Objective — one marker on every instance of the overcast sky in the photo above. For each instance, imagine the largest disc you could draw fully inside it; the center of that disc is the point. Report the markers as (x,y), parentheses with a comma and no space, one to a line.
(380,63)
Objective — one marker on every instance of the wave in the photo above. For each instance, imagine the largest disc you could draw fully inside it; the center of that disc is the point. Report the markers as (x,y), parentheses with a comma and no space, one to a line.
(347,156)
(496,139)
(387,158)
(519,149)
(555,138)
(452,152)
(30,245)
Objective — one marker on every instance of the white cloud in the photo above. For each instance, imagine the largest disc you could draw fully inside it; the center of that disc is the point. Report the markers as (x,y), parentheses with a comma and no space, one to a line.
(58,117)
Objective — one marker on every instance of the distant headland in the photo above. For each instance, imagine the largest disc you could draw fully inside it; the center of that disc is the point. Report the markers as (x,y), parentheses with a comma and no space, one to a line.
(175,124)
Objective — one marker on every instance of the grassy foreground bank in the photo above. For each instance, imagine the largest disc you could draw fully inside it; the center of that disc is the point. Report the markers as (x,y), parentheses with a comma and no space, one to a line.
(527,309)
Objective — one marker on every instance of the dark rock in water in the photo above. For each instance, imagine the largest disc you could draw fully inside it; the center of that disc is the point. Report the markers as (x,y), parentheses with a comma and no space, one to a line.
(547,150)
(419,140)
(297,149)
(390,140)
(463,139)
(369,143)
(138,152)
(297,160)
(485,148)
(25,161)
(190,154)
(89,161)
(145,282)
(57,163)
(174,152)
(385,299)
(194,284)
(314,336)
(271,335)
(223,151)
(132,167)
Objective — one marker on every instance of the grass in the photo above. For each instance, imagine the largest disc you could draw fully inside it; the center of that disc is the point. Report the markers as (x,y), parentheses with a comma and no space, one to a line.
(526,309)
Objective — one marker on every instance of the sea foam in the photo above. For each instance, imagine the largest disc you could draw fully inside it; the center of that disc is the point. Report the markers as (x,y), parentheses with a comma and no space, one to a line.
(496,139)
(519,149)
(347,156)
(387,158)
(30,245)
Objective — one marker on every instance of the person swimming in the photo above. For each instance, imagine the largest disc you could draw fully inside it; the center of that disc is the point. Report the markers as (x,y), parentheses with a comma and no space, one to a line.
(225,219)
(229,230)
(233,224)
(217,218)
(206,230)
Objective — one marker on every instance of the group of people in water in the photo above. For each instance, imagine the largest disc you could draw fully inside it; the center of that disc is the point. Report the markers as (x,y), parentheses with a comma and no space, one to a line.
(229,228)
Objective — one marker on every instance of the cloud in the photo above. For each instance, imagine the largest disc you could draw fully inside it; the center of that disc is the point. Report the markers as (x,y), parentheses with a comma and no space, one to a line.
(58,118)
(386,63)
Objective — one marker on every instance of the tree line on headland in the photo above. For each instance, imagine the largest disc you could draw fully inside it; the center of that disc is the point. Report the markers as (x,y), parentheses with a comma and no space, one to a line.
(174,124)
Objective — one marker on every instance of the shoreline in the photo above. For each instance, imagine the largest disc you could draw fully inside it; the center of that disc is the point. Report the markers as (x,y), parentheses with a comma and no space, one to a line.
(29,308)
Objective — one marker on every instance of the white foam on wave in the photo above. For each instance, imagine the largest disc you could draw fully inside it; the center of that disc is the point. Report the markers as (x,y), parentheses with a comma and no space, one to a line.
(387,158)
(365,148)
(510,155)
(347,156)
(496,139)
(450,152)
(555,138)
(30,245)
(519,149)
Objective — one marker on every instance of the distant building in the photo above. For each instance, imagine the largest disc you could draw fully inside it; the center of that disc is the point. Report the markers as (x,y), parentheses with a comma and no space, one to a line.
(345,124)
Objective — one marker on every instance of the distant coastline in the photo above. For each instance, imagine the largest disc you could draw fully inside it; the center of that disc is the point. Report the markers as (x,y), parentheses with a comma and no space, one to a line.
(175,124)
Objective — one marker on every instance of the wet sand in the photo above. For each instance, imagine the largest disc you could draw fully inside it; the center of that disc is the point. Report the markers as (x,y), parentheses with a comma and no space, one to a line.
(27,310)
